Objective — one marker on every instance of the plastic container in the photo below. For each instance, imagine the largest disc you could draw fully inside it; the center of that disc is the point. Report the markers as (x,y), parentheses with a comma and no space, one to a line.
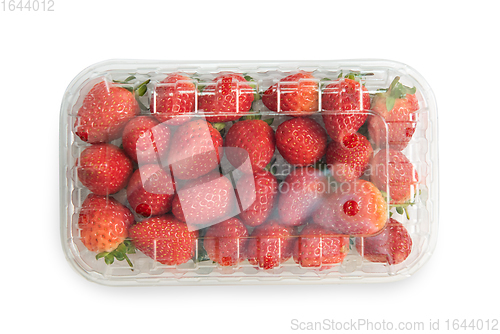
(341,190)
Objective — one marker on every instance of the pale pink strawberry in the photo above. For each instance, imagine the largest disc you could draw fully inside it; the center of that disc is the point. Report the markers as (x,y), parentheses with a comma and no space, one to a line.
(300,194)
(145,140)
(164,239)
(355,208)
(349,158)
(196,149)
(225,242)
(270,245)
(396,116)
(393,245)
(346,103)
(318,246)
(173,100)
(258,194)
(150,190)
(296,94)
(207,200)
(227,98)
(392,171)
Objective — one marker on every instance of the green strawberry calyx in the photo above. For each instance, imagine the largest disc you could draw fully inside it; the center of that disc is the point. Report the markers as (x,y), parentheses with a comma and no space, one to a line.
(395,91)
(354,75)
(251,83)
(256,115)
(401,208)
(120,253)
(140,89)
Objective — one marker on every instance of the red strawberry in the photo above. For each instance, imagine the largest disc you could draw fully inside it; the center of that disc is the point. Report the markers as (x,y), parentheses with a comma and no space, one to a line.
(103,223)
(396,109)
(104,112)
(228,98)
(392,171)
(173,100)
(270,245)
(301,141)
(318,246)
(349,158)
(104,169)
(196,150)
(258,194)
(298,95)
(301,192)
(150,191)
(205,201)
(355,208)
(345,106)
(250,143)
(164,239)
(225,242)
(392,245)
(145,140)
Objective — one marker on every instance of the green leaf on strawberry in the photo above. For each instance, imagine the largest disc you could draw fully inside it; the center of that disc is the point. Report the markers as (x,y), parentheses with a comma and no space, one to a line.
(201,254)
(142,88)
(130,78)
(219,126)
(120,253)
(251,83)
(396,91)
(250,117)
(269,121)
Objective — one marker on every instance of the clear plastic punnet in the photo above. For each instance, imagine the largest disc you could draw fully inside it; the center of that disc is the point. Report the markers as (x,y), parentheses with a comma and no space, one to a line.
(248,172)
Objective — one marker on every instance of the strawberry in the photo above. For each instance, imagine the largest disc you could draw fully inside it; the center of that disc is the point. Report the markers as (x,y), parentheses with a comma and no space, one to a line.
(396,118)
(196,150)
(227,98)
(104,169)
(104,112)
(301,141)
(318,246)
(145,140)
(250,143)
(150,191)
(349,158)
(298,95)
(345,106)
(301,192)
(225,242)
(205,201)
(392,172)
(173,100)
(270,245)
(257,194)
(355,208)
(103,224)
(164,239)
(392,245)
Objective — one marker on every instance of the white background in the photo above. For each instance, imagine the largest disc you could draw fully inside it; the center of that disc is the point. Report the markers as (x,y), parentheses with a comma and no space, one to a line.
(454,45)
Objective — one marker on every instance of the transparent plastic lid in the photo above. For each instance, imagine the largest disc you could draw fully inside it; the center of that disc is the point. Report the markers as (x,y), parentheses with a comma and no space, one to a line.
(248,172)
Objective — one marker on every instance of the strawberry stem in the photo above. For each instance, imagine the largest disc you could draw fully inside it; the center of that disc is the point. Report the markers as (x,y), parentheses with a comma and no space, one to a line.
(126,81)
